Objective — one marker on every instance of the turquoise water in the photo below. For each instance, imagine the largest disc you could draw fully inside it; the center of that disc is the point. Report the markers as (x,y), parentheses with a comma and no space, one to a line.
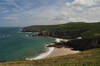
(16,45)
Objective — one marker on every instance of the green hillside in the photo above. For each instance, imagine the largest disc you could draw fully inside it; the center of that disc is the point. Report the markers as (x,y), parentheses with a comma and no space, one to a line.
(69,30)
(89,32)
(89,45)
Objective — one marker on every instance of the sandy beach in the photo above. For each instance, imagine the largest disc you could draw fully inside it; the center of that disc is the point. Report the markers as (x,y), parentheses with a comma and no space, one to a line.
(61,51)
(54,52)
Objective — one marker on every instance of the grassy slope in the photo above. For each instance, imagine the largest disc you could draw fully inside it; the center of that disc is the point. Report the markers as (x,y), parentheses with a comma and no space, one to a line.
(86,58)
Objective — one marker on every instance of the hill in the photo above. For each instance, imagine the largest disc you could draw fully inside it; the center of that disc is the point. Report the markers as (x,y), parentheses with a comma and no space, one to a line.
(69,30)
(89,44)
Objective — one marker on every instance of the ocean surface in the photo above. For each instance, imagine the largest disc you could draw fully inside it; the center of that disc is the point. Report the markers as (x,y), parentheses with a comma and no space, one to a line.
(17,45)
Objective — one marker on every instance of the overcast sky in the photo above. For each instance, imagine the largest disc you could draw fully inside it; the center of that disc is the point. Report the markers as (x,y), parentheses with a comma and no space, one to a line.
(42,12)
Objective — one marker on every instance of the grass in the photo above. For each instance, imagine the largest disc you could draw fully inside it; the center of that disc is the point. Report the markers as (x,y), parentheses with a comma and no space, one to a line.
(86,58)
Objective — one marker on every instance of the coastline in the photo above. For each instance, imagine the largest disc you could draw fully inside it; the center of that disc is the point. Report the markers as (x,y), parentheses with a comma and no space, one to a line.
(54,52)
(43,55)
(61,52)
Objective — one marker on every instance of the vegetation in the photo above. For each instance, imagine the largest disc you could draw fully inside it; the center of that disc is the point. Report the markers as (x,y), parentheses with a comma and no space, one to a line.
(86,58)
(69,30)
(90,33)
(83,44)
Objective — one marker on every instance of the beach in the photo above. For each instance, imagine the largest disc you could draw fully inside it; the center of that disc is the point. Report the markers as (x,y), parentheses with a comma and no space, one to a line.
(61,51)
(54,51)
(43,55)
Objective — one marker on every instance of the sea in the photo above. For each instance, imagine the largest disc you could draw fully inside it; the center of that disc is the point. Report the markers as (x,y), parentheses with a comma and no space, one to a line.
(17,45)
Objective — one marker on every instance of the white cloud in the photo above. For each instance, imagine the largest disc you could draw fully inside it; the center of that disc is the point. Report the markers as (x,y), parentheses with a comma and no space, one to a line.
(82,3)
(80,11)
(43,15)
(26,14)
(77,10)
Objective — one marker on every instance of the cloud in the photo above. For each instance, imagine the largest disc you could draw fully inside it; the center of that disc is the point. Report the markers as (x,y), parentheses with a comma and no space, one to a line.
(82,3)
(80,11)
(37,12)
(29,15)
(33,16)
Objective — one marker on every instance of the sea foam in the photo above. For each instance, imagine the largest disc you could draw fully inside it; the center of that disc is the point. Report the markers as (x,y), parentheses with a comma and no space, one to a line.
(43,55)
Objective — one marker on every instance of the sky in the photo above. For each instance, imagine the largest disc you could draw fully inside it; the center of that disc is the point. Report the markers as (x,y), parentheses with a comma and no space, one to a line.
(46,12)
